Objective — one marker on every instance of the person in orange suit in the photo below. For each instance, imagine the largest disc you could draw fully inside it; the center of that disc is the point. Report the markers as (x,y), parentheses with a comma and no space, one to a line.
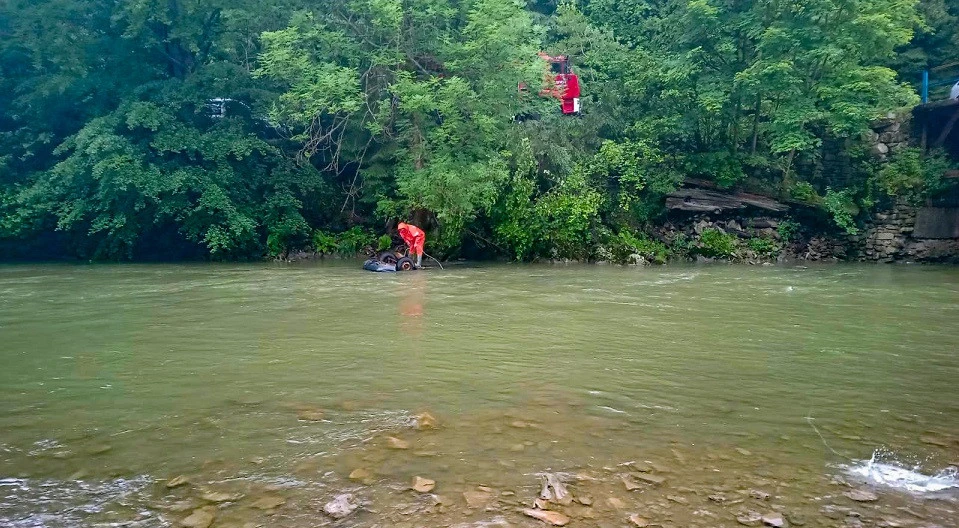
(415,239)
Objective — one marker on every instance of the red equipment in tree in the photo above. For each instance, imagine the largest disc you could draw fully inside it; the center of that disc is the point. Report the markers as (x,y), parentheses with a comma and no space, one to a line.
(561,83)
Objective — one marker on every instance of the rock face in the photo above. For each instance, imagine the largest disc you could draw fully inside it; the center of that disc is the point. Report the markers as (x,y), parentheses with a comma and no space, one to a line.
(200,518)
(341,506)
(549,517)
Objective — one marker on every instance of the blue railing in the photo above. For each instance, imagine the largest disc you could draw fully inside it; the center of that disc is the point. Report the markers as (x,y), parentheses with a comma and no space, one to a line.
(941,77)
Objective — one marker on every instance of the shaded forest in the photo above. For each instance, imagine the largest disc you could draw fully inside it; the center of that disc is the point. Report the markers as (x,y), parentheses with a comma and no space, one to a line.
(206,129)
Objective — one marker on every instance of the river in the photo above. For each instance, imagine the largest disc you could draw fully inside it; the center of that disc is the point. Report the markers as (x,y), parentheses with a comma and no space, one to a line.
(689,396)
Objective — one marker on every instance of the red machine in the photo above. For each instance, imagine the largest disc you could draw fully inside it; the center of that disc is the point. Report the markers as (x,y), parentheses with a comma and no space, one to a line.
(560,83)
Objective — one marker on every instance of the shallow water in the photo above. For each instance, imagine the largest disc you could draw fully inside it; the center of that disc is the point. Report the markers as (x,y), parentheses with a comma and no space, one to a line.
(723,381)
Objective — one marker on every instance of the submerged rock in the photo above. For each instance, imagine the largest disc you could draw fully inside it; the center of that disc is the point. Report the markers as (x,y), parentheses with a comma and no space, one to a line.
(774,519)
(639,520)
(269,502)
(177,481)
(423,485)
(549,517)
(396,443)
(616,503)
(220,496)
(652,479)
(200,518)
(424,421)
(310,415)
(861,496)
(360,474)
(631,485)
(341,506)
(749,518)
(477,499)
(759,494)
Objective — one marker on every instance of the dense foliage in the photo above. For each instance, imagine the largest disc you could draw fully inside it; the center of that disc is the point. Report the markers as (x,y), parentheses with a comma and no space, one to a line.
(203,128)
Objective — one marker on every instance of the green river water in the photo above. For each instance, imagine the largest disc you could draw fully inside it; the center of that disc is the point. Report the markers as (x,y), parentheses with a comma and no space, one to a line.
(687,395)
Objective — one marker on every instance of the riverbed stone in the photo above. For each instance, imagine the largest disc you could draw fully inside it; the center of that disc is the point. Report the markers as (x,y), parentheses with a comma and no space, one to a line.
(749,518)
(616,502)
(177,481)
(396,443)
(200,518)
(638,520)
(549,517)
(424,421)
(861,495)
(775,520)
(651,479)
(221,496)
(310,415)
(269,502)
(759,494)
(360,474)
(341,506)
(477,499)
(423,485)
(631,485)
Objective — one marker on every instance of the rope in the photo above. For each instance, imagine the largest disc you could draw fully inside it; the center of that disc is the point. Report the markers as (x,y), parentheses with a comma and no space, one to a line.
(438,262)
(809,420)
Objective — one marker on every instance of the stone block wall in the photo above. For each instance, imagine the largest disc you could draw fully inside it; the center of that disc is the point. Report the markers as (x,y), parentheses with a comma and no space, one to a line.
(890,237)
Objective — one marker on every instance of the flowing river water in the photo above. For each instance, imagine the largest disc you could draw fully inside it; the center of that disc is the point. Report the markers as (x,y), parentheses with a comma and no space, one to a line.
(150,395)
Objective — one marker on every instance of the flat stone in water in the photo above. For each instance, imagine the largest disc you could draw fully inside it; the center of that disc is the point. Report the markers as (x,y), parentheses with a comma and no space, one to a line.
(638,520)
(341,506)
(310,415)
(200,518)
(220,496)
(477,499)
(759,494)
(861,496)
(774,519)
(396,443)
(677,499)
(269,502)
(360,474)
(177,481)
(652,479)
(424,421)
(749,518)
(743,452)
(423,485)
(549,517)
(631,485)
(616,503)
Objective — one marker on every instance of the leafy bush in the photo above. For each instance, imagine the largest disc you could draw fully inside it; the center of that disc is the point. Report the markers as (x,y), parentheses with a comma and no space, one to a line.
(803,191)
(763,246)
(383,243)
(714,243)
(353,240)
(324,242)
(840,205)
(907,175)
(626,245)
(788,229)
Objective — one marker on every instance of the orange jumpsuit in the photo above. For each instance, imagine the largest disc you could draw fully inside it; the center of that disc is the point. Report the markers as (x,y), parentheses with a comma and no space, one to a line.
(414,237)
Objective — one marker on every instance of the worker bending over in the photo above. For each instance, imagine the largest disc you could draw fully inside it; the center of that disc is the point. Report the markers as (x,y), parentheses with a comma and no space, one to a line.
(415,238)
